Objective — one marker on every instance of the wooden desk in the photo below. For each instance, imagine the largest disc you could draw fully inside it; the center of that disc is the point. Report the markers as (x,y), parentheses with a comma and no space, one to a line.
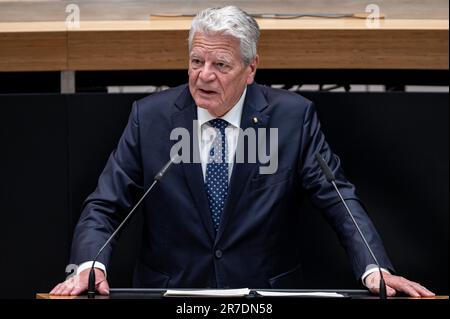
(157,294)
(285,44)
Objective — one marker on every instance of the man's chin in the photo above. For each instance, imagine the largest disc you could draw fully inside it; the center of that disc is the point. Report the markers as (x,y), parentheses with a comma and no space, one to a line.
(213,110)
(206,106)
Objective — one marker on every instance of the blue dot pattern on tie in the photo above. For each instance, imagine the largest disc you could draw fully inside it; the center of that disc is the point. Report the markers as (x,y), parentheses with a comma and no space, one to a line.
(216,183)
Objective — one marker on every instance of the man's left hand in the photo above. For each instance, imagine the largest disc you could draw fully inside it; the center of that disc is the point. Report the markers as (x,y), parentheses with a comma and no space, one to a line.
(396,283)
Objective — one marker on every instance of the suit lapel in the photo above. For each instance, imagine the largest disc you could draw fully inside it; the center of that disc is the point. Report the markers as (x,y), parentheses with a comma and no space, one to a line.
(184,117)
(254,104)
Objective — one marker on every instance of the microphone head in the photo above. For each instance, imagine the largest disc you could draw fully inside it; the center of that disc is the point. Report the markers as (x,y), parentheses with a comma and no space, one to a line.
(325,169)
(175,159)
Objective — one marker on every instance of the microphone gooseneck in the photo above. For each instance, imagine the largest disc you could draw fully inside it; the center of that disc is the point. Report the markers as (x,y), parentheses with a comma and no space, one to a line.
(156,179)
(331,179)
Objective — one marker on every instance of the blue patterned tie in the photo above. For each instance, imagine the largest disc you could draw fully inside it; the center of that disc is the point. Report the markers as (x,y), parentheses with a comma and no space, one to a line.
(216,183)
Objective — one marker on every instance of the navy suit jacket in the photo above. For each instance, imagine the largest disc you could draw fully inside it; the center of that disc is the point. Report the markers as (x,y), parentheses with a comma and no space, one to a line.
(257,244)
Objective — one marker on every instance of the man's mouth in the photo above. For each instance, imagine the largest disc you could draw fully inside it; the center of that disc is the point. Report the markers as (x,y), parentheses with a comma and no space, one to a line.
(207,92)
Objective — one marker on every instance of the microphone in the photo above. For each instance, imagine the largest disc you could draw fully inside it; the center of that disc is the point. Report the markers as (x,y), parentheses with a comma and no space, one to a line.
(331,179)
(156,179)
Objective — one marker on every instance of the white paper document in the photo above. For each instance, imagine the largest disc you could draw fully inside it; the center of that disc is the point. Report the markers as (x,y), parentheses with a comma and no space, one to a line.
(208,292)
(298,294)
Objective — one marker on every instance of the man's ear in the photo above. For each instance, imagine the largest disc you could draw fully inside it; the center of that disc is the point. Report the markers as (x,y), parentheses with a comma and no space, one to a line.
(252,69)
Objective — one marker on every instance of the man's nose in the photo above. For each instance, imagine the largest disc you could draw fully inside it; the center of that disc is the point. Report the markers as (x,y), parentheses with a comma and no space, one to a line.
(207,73)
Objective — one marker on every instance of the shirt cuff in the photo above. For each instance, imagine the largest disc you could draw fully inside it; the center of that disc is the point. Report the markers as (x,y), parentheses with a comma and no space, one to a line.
(88,264)
(370,269)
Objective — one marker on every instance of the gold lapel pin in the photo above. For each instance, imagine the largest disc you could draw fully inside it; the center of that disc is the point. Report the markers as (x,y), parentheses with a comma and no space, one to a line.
(255,120)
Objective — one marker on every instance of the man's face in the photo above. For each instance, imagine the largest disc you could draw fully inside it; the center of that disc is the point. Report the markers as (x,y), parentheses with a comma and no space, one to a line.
(217,74)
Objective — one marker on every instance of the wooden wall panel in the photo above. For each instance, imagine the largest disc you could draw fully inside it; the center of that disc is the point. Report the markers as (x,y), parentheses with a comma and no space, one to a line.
(160,44)
(33,51)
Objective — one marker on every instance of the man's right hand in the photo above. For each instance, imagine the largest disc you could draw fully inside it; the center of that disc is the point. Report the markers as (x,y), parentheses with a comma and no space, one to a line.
(78,284)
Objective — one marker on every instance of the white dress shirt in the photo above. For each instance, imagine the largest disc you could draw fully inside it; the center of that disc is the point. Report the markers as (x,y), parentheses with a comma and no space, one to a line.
(207,134)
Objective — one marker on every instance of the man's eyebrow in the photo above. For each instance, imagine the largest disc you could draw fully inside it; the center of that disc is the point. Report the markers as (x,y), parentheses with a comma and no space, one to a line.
(225,57)
(195,54)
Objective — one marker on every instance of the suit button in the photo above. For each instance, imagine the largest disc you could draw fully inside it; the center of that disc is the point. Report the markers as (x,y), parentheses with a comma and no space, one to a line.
(218,253)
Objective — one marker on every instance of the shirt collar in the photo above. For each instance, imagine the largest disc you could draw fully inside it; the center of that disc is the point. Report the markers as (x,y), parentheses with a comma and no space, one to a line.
(233,116)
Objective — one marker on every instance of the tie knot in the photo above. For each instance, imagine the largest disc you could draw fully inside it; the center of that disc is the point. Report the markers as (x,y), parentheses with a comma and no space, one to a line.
(219,124)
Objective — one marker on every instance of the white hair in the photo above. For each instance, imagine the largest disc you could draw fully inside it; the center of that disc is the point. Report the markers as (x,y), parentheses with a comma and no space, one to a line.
(230,21)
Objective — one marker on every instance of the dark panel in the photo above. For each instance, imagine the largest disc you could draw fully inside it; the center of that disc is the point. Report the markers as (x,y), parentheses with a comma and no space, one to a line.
(33,165)
(30,82)
(394,148)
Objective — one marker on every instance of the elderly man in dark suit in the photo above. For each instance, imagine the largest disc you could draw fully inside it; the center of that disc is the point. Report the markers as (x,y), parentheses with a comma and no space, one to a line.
(228,219)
